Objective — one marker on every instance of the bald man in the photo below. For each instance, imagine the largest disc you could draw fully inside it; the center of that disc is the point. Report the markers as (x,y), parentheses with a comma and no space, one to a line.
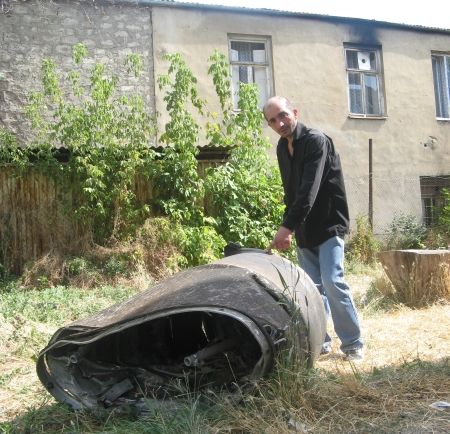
(317,214)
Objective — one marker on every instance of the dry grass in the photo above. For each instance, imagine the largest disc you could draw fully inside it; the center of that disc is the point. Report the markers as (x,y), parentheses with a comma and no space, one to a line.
(400,336)
(416,283)
(20,342)
(150,256)
(421,292)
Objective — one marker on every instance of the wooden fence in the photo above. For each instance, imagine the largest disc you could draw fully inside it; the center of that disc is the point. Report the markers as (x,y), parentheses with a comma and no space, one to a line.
(36,217)
(32,220)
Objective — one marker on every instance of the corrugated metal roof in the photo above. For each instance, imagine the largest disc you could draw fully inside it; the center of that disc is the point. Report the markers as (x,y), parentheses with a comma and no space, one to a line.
(279,12)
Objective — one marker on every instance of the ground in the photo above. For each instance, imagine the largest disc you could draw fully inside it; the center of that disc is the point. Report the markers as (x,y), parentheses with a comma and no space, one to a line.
(405,370)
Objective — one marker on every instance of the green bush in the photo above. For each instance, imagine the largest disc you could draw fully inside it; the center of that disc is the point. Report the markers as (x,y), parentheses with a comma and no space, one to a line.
(175,174)
(10,151)
(107,134)
(405,232)
(363,246)
(77,265)
(244,195)
(117,266)
(201,245)
(109,137)
(444,213)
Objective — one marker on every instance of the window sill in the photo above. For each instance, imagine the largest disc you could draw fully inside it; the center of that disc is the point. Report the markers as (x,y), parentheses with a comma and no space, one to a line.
(443,119)
(355,116)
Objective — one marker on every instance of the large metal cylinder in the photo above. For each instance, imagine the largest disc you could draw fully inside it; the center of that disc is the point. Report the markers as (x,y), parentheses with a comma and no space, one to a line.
(211,325)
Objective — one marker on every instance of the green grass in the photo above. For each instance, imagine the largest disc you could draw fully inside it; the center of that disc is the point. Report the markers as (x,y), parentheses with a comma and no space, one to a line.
(59,305)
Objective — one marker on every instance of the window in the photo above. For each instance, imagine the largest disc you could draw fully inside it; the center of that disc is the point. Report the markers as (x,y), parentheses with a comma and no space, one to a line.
(432,197)
(364,81)
(441,77)
(249,59)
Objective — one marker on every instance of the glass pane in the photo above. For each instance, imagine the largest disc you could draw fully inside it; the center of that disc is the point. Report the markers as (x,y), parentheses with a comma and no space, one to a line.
(437,85)
(352,59)
(371,95)
(373,60)
(248,51)
(447,91)
(244,74)
(440,88)
(260,78)
(235,84)
(428,205)
(355,93)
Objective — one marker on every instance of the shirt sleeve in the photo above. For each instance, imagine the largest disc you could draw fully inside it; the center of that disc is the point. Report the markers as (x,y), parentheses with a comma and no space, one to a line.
(310,181)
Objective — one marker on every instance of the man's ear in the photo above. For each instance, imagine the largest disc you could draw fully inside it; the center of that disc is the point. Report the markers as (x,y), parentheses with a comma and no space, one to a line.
(296,112)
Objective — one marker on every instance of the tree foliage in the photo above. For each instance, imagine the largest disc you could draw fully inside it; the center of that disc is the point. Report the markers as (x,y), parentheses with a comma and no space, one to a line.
(109,137)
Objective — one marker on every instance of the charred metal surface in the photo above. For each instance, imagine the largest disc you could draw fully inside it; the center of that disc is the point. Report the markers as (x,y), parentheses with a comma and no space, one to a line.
(211,325)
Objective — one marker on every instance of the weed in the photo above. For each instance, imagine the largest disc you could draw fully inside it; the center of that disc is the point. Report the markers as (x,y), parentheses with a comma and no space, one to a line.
(405,232)
(363,246)
(117,266)
(77,265)
(380,296)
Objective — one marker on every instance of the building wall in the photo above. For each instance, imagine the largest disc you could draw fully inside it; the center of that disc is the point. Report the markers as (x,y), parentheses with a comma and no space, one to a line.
(36,29)
(309,68)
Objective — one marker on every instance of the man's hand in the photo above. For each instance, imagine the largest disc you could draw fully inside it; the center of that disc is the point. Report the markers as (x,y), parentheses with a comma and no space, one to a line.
(282,239)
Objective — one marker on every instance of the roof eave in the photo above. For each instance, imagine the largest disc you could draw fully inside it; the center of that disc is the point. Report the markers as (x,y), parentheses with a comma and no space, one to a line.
(279,13)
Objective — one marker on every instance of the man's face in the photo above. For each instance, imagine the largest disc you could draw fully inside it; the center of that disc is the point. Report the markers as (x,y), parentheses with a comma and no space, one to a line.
(281,119)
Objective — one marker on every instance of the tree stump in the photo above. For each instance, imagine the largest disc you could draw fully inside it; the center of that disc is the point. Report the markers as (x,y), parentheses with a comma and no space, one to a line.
(419,277)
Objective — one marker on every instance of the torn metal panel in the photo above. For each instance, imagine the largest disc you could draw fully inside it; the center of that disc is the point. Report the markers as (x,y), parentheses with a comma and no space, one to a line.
(211,325)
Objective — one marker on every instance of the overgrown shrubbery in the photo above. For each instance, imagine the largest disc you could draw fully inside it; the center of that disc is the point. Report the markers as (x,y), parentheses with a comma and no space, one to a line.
(363,246)
(159,248)
(107,135)
(109,138)
(245,193)
(443,223)
(405,232)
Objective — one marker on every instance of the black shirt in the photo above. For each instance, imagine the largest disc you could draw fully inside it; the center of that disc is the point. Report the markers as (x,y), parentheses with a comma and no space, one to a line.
(314,191)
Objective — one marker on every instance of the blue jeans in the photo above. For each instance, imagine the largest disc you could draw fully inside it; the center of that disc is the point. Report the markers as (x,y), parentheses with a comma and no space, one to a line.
(324,264)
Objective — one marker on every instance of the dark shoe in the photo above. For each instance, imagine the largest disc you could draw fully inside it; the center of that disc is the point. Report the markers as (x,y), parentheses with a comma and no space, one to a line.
(354,354)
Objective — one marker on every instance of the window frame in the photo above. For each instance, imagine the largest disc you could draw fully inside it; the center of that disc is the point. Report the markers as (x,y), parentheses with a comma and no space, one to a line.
(446,82)
(267,64)
(377,72)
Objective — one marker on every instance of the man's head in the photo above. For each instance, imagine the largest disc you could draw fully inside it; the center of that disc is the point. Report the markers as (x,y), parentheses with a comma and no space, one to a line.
(281,115)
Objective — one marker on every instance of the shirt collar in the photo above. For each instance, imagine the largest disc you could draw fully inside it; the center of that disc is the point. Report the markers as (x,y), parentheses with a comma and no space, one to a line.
(299,132)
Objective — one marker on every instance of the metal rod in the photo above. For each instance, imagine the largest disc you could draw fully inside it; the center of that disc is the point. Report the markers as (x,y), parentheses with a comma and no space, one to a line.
(209,351)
